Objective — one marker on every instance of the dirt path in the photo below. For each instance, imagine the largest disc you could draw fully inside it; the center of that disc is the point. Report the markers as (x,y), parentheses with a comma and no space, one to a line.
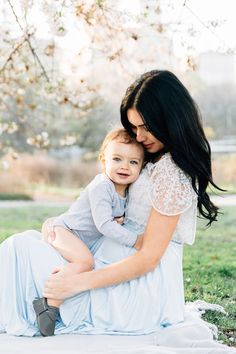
(23,203)
(218,200)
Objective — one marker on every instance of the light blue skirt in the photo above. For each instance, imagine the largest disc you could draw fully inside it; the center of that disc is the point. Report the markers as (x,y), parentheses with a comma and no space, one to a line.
(137,307)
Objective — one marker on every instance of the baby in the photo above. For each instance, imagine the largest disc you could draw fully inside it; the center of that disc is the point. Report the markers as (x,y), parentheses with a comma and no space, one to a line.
(97,212)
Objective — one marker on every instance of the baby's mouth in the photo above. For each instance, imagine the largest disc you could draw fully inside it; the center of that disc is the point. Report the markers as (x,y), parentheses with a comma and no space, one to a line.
(123,174)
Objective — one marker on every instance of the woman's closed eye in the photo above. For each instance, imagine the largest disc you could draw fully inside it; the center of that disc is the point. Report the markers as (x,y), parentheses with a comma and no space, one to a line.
(145,128)
(140,129)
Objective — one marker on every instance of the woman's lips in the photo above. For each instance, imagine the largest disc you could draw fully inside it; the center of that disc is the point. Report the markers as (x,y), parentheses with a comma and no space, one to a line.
(147,146)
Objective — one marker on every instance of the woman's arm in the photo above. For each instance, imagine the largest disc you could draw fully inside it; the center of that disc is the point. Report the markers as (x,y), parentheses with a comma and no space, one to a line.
(65,282)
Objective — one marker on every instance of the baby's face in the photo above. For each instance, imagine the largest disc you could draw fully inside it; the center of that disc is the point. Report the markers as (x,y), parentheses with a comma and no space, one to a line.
(123,162)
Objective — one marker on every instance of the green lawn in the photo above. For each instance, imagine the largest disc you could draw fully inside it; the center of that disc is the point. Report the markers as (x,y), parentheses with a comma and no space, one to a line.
(13,220)
(209,265)
(210,271)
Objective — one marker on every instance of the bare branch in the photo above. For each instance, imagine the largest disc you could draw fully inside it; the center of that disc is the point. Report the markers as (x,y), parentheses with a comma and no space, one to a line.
(17,47)
(209,28)
(27,38)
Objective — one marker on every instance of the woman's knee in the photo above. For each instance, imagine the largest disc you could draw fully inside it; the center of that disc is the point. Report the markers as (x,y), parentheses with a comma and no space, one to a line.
(23,240)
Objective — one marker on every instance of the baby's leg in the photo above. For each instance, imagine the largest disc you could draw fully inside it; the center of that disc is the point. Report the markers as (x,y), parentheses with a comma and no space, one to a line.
(75,251)
(72,249)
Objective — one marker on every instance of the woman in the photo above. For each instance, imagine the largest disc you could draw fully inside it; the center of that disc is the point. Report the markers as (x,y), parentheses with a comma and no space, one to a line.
(131,292)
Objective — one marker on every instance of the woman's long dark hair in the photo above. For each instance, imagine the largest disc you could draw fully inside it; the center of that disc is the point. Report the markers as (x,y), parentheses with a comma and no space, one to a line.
(172,116)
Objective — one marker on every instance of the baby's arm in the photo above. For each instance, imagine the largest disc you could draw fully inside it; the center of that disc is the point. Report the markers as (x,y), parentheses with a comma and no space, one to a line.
(101,199)
(72,248)
(138,244)
(120,220)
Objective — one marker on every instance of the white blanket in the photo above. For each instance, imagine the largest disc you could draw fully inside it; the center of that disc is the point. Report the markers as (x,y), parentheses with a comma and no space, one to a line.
(190,337)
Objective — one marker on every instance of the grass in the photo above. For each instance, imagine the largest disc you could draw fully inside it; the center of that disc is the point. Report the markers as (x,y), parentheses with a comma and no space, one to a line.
(53,192)
(14,196)
(209,265)
(229,189)
(210,272)
(43,192)
(13,220)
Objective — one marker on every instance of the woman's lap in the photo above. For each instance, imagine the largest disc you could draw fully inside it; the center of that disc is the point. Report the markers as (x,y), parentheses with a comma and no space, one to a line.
(139,306)
(25,264)
(131,307)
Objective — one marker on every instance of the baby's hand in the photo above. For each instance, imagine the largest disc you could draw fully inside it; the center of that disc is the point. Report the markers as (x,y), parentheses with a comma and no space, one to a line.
(51,236)
(120,220)
(48,235)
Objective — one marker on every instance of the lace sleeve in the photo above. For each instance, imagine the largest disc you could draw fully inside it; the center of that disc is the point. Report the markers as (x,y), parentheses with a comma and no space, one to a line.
(171,191)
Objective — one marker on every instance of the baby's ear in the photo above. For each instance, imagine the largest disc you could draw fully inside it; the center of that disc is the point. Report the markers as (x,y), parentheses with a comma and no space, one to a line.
(102,162)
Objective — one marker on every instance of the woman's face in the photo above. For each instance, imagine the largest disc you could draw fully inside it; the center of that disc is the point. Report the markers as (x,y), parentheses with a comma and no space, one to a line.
(150,143)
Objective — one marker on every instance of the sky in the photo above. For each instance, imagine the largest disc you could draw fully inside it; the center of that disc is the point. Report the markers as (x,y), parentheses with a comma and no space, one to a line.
(183,13)
(202,14)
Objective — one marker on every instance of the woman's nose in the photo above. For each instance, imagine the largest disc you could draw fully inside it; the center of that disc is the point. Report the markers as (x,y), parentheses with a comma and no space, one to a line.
(139,135)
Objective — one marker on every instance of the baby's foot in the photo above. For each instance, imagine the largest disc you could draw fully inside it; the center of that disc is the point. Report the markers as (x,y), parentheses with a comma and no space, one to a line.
(46,316)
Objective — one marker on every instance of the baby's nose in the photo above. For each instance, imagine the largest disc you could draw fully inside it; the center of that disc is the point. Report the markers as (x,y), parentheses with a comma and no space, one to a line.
(125,165)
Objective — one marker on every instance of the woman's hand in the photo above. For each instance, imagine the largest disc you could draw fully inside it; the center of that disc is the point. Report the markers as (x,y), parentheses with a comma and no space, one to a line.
(63,282)
(48,234)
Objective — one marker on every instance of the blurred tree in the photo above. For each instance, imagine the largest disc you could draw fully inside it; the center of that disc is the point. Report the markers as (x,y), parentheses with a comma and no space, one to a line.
(218,107)
(59,91)
(47,98)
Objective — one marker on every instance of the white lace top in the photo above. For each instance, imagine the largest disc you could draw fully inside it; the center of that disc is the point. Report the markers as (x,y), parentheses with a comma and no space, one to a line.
(166,188)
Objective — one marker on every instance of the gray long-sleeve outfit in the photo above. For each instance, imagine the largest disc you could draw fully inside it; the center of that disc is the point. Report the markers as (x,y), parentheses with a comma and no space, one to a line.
(92,214)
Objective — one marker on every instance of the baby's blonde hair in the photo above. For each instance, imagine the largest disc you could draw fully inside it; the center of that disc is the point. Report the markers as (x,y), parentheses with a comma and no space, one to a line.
(121,135)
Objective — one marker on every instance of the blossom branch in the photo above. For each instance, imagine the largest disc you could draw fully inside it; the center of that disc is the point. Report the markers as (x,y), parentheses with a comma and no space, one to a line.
(27,39)
(17,47)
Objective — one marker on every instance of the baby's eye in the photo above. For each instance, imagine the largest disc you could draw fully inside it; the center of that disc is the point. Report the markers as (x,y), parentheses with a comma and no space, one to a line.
(116,159)
(134,162)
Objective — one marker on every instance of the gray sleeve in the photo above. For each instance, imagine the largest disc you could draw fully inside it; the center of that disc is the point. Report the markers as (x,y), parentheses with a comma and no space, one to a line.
(101,208)
(60,221)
